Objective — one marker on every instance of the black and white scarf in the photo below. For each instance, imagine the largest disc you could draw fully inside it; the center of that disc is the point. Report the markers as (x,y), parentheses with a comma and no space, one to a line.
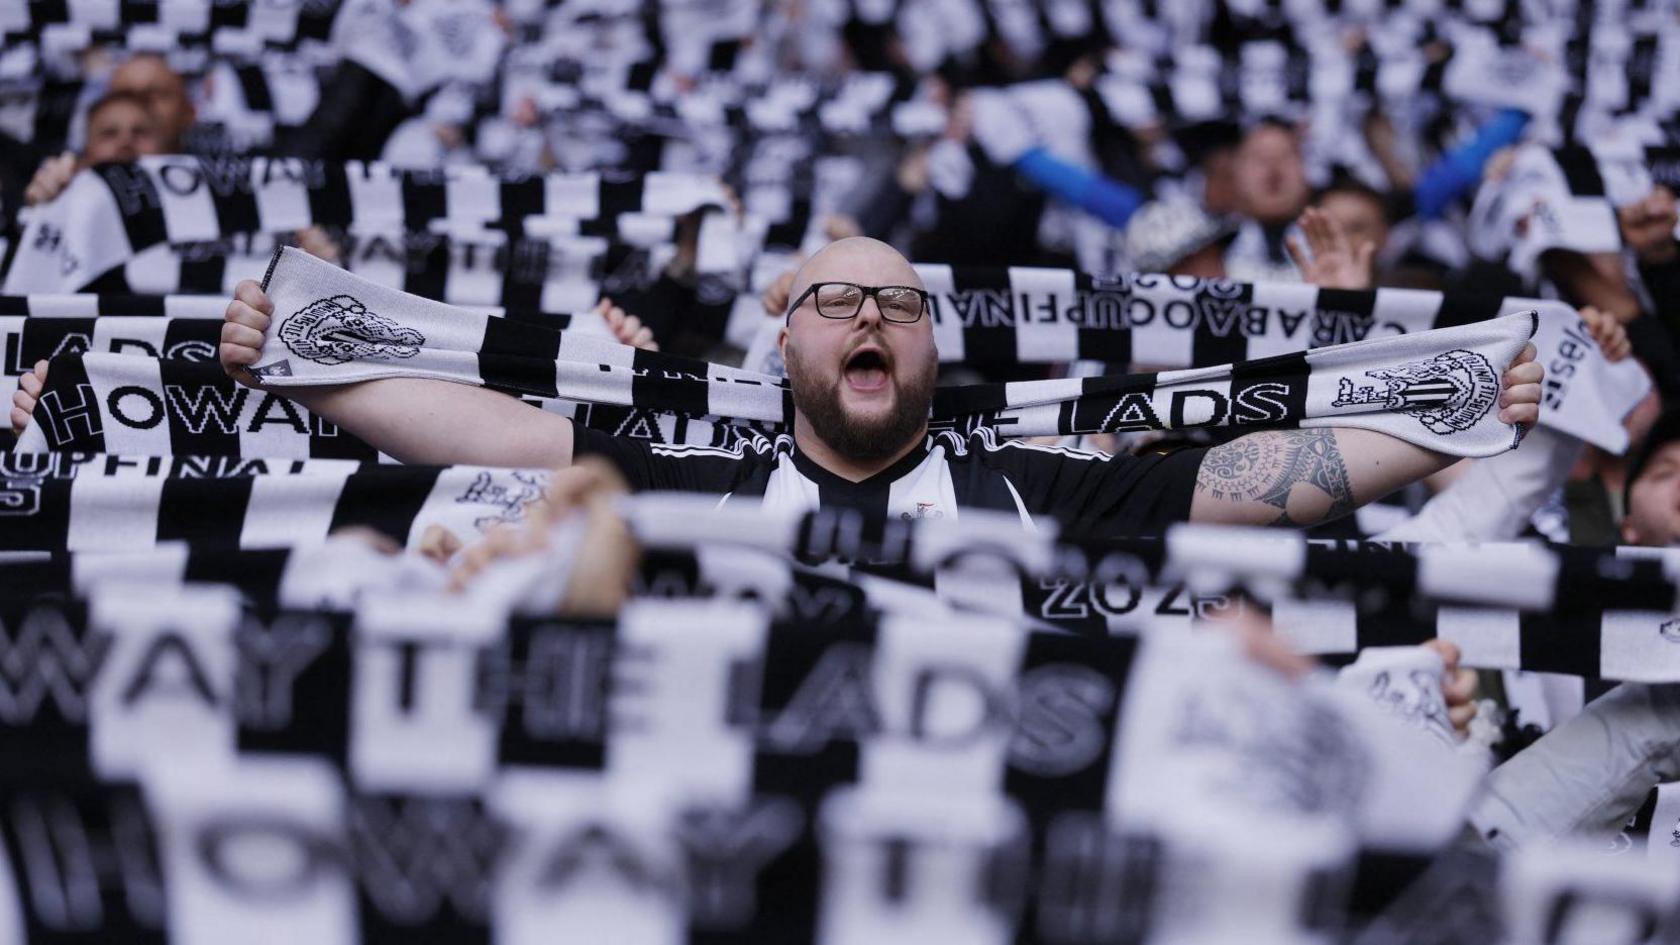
(87,502)
(1153,322)
(726,701)
(815,784)
(1560,610)
(1437,389)
(120,403)
(168,328)
(187,23)
(1566,199)
(111,213)
(483,267)
(142,406)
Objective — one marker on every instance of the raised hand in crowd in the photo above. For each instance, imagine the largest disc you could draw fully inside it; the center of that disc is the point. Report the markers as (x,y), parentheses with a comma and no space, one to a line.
(1254,632)
(775,298)
(1332,260)
(1592,280)
(1458,685)
(1608,332)
(243,328)
(841,226)
(51,178)
(597,582)
(912,175)
(1648,227)
(627,328)
(315,241)
(398,414)
(1383,140)
(28,391)
(121,126)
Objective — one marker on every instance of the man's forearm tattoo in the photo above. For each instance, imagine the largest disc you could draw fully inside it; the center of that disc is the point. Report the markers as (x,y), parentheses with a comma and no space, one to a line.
(1264,467)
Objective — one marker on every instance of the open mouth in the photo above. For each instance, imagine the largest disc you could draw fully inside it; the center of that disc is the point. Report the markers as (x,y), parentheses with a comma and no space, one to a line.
(866,370)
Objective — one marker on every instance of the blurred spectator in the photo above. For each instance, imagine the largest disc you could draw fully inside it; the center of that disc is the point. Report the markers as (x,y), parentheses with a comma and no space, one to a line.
(150,78)
(1271,186)
(1178,237)
(120,127)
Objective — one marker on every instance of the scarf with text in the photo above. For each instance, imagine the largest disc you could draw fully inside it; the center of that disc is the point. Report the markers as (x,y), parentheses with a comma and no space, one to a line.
(1566,199)
(1436,389)
(1026,315)
(169,328)
(1553,609)
(113,212)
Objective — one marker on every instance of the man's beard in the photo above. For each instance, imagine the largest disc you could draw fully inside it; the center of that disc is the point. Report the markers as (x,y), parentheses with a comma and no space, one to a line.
(864,440)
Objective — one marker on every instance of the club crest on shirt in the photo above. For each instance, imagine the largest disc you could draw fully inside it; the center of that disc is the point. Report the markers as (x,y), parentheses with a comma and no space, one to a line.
(340,329)
(1447,393)
(923,510)
(1670,630)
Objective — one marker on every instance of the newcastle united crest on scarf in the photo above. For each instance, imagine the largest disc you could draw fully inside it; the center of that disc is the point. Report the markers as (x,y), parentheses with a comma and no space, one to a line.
(1448,393)
(340,329)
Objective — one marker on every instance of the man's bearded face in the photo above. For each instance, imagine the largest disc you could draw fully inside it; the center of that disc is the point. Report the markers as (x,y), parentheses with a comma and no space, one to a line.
(865,391)
(861,397)
(863,385)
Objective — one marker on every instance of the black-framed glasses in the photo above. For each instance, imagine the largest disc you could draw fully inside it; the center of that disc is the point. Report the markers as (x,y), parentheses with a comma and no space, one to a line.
(902,304)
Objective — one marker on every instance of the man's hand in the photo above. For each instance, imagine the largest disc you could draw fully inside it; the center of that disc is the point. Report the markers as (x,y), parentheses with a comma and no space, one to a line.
(839,226)
(27,393)
(1608,331)
(1334,263)
(912,172)
(51,178)
(315,241)
(1648,227)
(1253,629)
(246,323)
(775,298)
(598,581)
(1458,686)
(1519,398)
(414,419)
(627,328)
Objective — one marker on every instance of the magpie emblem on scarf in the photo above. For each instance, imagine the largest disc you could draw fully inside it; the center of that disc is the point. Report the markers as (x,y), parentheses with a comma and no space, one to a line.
(511,500)
(1448,392)
(340,329)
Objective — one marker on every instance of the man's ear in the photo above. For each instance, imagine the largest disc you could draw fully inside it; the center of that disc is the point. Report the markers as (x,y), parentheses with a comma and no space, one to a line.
(782,342)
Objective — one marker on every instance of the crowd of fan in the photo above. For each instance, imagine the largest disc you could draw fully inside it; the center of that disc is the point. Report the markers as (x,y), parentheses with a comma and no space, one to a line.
(1378,196)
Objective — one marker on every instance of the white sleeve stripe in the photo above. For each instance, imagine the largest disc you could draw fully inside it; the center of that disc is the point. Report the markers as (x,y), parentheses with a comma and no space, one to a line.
(1020,506)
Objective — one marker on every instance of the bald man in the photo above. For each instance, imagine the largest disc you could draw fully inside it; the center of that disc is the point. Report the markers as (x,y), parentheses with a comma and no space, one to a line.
(859,349)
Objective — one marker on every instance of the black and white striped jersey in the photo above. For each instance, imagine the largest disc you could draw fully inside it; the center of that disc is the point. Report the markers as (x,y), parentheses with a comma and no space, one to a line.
(1096,492)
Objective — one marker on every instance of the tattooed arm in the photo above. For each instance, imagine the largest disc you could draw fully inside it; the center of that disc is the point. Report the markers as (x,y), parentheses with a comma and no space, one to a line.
(1303,477)
(1300,478)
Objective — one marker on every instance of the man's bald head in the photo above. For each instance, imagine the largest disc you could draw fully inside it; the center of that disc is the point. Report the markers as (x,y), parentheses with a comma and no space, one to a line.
(858,259)
(862,385)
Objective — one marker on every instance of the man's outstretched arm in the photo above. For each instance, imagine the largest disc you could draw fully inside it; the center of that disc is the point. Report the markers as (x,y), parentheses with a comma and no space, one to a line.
(1300,478)
(416,420)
